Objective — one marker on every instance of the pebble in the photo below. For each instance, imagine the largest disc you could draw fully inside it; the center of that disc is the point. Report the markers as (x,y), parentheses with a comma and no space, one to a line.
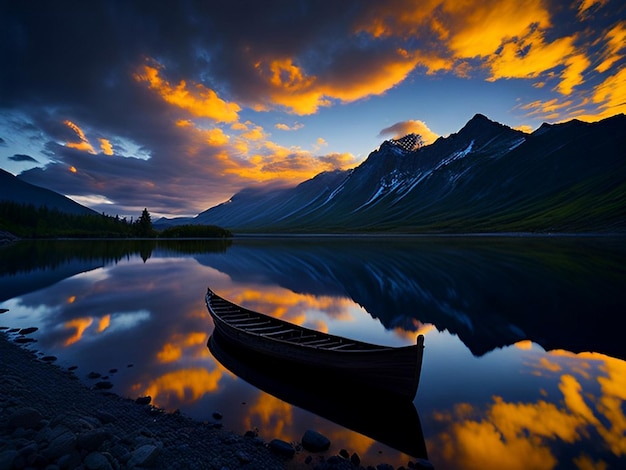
(25,418)
(96,461)
(313,441)
(282,448)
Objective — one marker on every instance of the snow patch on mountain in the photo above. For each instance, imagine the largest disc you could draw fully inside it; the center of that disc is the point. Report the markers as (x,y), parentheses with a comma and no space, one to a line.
(455,156)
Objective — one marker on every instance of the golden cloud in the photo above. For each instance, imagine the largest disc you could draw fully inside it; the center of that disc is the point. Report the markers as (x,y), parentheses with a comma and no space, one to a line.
(519,435)
(290,86)
(79,325)
(268,161)
(197,99)
(509,40)
(400,129)
(82,144)
(177,343)
(615,40)
(106,147)
(181,386)
(586,6)
(274,416)
(479,29)
(285,127)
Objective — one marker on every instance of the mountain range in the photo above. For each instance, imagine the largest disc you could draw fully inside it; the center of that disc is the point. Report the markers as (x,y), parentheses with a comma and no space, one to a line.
(12,188)
(568,177)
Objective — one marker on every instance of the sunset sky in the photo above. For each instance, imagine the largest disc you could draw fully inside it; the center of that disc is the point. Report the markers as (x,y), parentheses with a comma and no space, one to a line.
(177,105)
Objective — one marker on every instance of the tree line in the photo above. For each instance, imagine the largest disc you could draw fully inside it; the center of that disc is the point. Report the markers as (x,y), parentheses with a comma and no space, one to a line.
(30,221)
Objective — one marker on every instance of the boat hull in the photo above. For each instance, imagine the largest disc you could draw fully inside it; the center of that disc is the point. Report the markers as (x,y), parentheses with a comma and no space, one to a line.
(393,370)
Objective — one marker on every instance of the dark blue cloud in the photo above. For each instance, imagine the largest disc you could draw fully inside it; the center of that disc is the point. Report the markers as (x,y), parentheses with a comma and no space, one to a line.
(18,157)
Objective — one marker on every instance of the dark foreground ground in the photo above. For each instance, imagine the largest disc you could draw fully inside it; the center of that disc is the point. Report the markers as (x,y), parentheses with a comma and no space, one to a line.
(49,420)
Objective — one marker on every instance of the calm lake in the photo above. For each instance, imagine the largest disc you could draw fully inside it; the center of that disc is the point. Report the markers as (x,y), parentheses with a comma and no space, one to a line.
(525,358)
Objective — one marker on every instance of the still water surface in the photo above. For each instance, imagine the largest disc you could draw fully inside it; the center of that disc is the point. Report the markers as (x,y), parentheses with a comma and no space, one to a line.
(524,366)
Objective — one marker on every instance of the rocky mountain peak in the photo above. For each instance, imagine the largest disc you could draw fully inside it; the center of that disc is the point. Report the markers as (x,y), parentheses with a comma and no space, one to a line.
(409,142)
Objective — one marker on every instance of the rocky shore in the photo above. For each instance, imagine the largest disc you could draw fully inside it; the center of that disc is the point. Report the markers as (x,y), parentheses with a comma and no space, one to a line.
(50,420)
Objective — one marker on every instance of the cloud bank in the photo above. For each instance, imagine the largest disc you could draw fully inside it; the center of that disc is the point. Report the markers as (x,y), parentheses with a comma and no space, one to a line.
(170,106)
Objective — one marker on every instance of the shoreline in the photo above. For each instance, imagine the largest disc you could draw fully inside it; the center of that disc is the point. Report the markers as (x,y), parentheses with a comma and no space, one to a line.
(49,418)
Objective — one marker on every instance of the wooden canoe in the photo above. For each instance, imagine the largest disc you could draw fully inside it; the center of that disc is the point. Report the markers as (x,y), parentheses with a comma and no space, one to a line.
(393,370)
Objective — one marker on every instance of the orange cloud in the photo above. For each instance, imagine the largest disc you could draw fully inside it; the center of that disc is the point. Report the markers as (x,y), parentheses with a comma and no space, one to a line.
(197,100)
(104,323)
(79,325)
(285,127)
(83,144)
(289,305)
(586,6)
(519,435)
(173,349)
(509,39)
(272,415)
(169,353)
(615,40)
(289,85)
(610,95)
(479,29)
(181,386)
(268,161)
(400,129)
(524,344)
(106,147)
(215,137)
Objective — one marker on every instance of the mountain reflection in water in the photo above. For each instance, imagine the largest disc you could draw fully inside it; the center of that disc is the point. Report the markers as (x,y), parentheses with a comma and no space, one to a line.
(490,395)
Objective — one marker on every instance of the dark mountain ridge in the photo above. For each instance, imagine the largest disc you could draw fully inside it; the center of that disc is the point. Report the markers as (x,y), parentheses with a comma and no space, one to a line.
(15,190)
(568,177)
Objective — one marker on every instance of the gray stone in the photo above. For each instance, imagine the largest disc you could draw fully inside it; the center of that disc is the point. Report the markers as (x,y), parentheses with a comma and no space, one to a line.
(144,456)
(281,447)
(243,457)
(104,417)
(92,440)
(143,400)
(49,434)
(7,458)
(61,445)
(71,460)
(121,453)
(115,465)
(96,461)
(313,441)
(28,449)
(25,418)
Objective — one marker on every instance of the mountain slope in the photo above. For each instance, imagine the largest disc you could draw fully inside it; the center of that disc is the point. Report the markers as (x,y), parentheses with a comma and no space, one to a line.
(15,190)
(488,177)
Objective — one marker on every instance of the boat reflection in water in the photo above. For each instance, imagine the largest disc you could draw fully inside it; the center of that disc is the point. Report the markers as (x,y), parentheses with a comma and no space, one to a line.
(379,416)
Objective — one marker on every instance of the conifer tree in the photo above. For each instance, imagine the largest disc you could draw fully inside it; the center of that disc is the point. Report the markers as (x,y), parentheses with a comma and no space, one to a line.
(143,225)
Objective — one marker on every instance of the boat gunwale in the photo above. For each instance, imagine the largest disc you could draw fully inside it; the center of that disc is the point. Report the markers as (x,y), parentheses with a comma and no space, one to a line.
(362,346)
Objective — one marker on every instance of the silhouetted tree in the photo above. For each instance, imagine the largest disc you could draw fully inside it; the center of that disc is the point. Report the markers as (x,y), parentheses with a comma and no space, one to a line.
(143,225)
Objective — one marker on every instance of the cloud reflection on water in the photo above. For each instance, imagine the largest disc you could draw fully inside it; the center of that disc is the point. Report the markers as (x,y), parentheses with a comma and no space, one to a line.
(521,435)
(519,406)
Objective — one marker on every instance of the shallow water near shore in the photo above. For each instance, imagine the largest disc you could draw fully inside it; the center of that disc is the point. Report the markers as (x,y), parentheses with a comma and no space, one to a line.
(524,366)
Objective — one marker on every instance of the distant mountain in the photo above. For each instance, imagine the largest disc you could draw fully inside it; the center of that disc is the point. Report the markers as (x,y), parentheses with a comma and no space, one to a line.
(15,190)
(568,177)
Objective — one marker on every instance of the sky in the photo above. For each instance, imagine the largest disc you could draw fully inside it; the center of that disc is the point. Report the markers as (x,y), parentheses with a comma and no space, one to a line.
(175,106)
